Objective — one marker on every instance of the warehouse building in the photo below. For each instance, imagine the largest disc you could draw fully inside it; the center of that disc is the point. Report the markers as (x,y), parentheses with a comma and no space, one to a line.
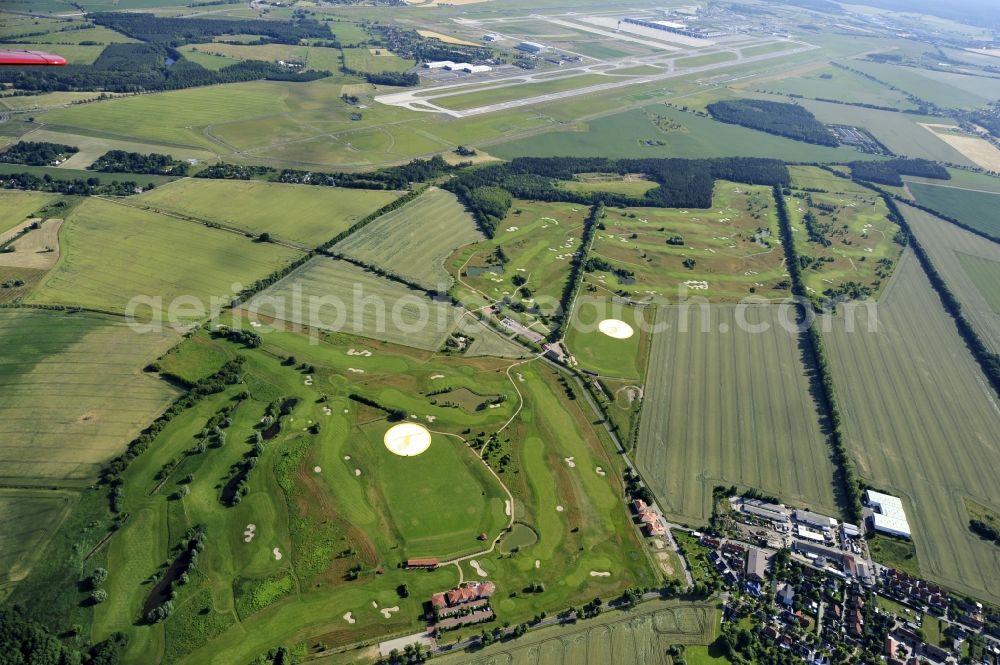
(887,515)
(440,64)
(532,47)
(815,520)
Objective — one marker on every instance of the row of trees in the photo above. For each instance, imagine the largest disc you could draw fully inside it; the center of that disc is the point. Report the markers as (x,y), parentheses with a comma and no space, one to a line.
(847,480)
(37,153)
(75,187)
(788,120)
(184,563)
(117,161)
(575,278)
(393,177)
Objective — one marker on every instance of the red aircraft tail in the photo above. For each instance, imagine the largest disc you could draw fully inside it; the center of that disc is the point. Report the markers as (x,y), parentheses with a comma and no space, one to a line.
(29,58)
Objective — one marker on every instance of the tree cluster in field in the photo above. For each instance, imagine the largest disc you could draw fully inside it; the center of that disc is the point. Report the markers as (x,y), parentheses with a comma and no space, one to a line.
(985,530)
(75,187)
(787,120)
(247,338)
(399,79)
(31,643)
(683,183)
(145,68)
(187,553)
(889,172)
(120,161)
(275,656)
(37,153)
(988,361)
(175,32)
(229,374)
(597,264)
(407,43)
(847,481)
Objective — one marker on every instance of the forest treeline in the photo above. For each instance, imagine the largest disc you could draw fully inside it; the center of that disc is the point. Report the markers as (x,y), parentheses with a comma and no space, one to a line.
(683,183)
(175,32)
(889,172)
(120,161)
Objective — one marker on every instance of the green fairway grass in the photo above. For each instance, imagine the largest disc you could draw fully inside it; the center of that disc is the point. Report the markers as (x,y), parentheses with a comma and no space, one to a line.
(16,207)
(414,241)
(67,404)
(969,264)
(623,134)
(905,391)
(539,240)
(863,247)
(110,253)
(719,240)
(303,214)
(597,182)
(727,405)
(370,305)
(597,352)
(963,202)
(640,636)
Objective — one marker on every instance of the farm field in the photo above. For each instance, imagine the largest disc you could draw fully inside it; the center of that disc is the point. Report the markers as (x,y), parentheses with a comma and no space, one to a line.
(833,83)
(414,241)
(859,250)
(899,132)
(730,403)
(359,302)
(29,517)
(537,241)
(950,90)
(638,637)
(92,147)
(969,264)
(365,59)
(111,252)
(17,207)
(920,422)
(636,134)
(66,405)
(975,208)
(729,252)
(304,214)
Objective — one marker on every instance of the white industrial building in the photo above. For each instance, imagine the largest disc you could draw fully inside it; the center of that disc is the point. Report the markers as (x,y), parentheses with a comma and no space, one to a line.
(477,69)
(531,47)
(888,515)
(440,64)
(769,511)
(815,520)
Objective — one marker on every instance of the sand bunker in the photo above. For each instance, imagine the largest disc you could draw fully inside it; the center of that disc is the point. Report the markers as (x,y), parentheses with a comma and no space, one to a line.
(506,507)
(277,554)
(407,439)
(600,471)
(538,563)
(249,533)
(349,618)
(600,573)
(363,353)
(559,509)
(479,569)
(569,462)
(355,370)
(318,469)
(388,611)
(357,472)
(615,328)
(437,376)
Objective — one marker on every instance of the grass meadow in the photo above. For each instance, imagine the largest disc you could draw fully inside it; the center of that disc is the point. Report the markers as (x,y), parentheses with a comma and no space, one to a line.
(920,422)
(29,517)
(949,90)
(365,59)
(635,134)
(597,352)
(637,637)
(726,405)
(733,246)
(110,253)
(833,83)
(302,214)
(363,303)
(414,241)
(969,264)
(975,208)
(66,404)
